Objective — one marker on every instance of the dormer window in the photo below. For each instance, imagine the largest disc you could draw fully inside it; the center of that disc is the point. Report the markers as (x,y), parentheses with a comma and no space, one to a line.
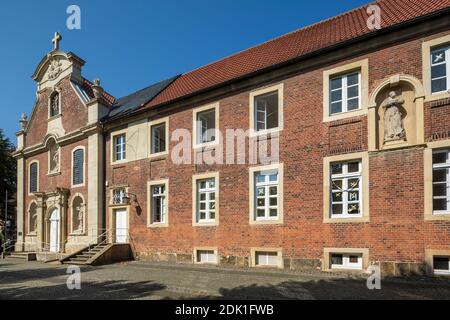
(54,104)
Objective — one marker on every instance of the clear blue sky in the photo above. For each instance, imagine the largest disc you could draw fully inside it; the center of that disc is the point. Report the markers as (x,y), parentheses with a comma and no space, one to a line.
(131,44)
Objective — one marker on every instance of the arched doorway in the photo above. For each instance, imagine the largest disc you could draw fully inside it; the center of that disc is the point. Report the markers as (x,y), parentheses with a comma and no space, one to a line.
(54,230)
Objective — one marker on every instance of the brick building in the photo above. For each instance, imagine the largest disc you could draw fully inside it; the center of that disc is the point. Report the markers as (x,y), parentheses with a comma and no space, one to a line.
(357,122)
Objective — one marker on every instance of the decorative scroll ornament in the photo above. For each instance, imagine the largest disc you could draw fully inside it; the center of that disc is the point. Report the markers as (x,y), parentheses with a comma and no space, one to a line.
(394,114)
(55,69)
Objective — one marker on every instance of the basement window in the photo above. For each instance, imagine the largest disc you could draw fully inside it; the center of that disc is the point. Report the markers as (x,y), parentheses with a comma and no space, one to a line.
(267,259)
(346,261)
(206,256)
(441,265)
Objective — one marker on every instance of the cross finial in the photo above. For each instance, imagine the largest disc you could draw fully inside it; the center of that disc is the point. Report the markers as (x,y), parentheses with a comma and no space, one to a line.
(56,39)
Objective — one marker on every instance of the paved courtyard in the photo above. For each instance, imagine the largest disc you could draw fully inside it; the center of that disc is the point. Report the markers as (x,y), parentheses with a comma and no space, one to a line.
(139,280)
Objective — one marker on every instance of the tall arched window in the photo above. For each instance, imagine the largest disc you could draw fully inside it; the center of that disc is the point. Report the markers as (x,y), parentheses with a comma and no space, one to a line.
(53,157)
(54,104)
(34,171)
(78,167)
(78,208)
(32,218)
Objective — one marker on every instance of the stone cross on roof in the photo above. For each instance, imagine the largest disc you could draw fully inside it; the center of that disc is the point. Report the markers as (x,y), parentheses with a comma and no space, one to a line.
(56,39)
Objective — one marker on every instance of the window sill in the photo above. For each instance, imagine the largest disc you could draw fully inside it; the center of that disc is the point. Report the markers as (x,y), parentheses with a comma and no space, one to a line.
(346,115)
(364,219)
(267,222)
(266,133)
(437,96)
(158,225)
(54,117)
(119,205)
(78,186)
(53,174)
(114,163)
(205,224)
(83,234)
(203,146)
(158,156)
(437,217)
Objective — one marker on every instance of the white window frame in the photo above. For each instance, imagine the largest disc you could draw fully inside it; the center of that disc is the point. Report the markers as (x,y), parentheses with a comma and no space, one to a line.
(344,101)
(29,176)
(447,167)
(123,150)
(152,124)
(254,252)
(267,184)
(84,167)
(150,204)
(208,191)
(345,177)
(447,64)
(196,128)
(124,191)
(346,264)
(279,88)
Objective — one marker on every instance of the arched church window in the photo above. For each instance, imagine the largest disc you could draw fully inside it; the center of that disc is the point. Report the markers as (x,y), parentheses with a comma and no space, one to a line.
(54,156)
(32,214)
(78,208)
(54,104)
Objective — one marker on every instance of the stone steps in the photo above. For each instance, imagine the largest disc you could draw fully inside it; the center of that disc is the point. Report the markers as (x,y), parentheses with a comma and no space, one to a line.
(84,256)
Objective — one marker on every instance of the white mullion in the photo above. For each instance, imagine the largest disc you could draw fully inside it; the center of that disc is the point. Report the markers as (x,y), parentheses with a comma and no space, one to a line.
(447,61)
(344,94)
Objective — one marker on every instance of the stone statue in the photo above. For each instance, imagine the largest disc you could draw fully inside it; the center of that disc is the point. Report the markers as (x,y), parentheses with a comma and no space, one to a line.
(393,118)
(55,105)
(80,216)
(34,219)
(55,160)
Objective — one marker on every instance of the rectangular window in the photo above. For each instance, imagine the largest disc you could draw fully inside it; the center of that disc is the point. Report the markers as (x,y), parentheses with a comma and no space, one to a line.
(120,147)
(158,204)
(206,126)
(266,111)
(206,256)
(268,259)
(206,200)
(345,93)
(158,138)
(266,195)
(34,177)
(78,167)
(440,70)
(346,261)
(118,196)
(346,187)
(441,265)
(441,182)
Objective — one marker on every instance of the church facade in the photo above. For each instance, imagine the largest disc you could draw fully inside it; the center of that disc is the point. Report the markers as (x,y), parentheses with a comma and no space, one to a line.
(327,148)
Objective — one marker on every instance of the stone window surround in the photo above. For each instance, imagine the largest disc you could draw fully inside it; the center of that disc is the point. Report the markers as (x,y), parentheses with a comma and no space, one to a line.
(254,251)
(164,182)
(280,89)
(84,167)
(328,251)
(428,180)
(427,46)
(155,123)
(29,177)
(429,257)
(216,253)
(252,171)
(216,107)
(363,67)
(112,146)
(203,176)
(327,161)
(29,233)
(71,215)
(111,194)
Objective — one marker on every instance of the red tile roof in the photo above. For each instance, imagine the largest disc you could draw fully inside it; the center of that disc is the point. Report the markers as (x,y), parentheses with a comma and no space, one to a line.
(107,98)
(295,44)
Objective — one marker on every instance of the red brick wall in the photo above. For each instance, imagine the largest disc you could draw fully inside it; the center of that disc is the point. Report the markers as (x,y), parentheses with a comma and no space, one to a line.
(397,230)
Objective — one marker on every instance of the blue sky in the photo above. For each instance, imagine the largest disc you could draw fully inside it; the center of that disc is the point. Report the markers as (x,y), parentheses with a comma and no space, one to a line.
(132,44)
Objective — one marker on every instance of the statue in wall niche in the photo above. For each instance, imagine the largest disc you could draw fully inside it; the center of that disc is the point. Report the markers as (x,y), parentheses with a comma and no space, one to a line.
(55,160)
(80,216)
(34,221)
(393,118)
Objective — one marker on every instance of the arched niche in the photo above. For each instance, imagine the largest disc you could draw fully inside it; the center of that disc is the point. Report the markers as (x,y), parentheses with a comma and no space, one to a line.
(396,113)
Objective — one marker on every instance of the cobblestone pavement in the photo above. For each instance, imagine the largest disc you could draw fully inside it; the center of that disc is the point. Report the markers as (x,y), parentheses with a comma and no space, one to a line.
(139,280)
